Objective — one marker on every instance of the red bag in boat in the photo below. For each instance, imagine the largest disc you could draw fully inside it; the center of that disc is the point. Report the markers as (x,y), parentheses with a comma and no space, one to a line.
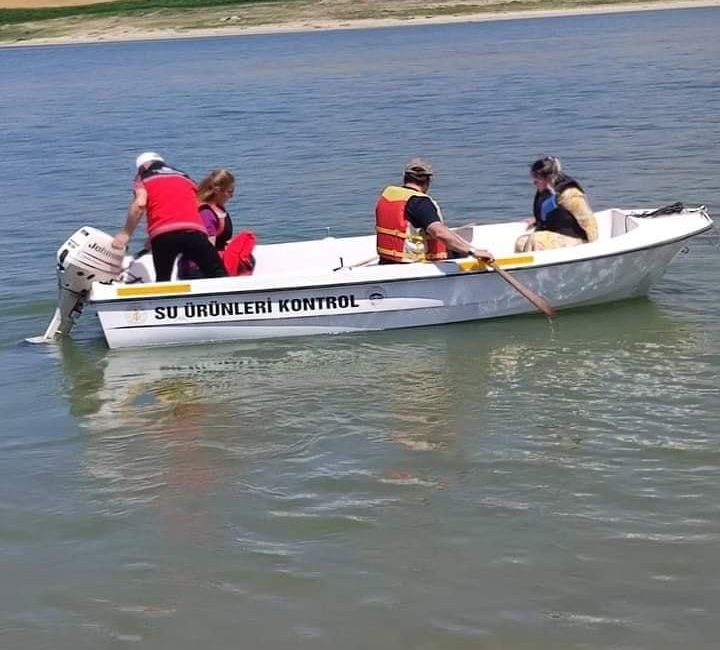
(237,256)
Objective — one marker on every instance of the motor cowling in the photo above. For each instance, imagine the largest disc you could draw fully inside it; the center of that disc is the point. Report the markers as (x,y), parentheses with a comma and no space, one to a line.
(86,257)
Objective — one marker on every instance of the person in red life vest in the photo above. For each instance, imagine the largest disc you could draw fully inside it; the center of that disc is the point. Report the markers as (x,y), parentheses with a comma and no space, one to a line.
(169,198)
(410,226)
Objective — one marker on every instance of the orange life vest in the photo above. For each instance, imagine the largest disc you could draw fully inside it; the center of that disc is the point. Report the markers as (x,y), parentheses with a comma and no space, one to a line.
(237,256)
(397,239)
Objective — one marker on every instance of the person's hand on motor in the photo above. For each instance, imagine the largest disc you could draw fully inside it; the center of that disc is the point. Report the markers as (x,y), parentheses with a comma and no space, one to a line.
(120,241)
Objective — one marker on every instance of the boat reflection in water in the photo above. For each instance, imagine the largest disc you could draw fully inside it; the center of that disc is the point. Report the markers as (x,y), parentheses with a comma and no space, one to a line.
(418,388)
(280,443)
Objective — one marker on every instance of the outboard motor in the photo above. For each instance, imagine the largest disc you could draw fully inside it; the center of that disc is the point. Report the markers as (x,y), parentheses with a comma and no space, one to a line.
(86,257)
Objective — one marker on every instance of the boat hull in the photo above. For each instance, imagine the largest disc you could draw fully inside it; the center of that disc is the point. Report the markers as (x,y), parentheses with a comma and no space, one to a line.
(353,304)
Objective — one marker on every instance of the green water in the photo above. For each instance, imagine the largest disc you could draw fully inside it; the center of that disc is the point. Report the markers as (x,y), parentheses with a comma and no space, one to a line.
(503,484)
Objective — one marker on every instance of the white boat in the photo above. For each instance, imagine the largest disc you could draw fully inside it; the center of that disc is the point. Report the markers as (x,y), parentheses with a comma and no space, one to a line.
(334,285)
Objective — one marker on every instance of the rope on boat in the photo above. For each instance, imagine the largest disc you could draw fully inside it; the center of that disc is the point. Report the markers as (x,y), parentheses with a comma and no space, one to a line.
(673,208)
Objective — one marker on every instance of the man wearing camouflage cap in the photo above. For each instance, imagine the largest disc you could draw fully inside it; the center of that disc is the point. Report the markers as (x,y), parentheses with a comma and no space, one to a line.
(409,223)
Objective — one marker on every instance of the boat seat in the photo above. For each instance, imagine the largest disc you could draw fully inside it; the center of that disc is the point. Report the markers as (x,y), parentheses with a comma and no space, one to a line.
(621,223)
(465,232)
(618,223)
(613,225)
(285,259)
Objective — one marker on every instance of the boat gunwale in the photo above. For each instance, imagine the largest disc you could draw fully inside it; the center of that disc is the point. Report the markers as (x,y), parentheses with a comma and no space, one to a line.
(532,266)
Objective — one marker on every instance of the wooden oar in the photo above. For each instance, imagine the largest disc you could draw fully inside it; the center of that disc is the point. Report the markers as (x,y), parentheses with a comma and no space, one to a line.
(540,302)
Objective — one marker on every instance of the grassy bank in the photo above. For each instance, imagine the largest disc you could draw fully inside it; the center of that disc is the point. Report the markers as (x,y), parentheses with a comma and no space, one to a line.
(110,9)
(127,19)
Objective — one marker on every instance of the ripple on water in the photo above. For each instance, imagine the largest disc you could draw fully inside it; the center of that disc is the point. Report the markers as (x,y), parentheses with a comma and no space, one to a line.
(503,483)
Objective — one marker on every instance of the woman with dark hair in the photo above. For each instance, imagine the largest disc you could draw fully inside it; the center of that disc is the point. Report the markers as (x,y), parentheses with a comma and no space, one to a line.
(561,214)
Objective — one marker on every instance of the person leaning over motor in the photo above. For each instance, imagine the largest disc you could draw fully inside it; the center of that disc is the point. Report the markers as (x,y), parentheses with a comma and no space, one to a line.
(169,198)
(409,223)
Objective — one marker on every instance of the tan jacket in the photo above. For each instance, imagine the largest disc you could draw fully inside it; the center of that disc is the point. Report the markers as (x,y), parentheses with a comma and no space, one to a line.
(574,201)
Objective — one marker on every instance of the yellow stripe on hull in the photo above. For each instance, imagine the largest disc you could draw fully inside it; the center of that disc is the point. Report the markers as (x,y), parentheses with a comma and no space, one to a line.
(152,290)
(476,265)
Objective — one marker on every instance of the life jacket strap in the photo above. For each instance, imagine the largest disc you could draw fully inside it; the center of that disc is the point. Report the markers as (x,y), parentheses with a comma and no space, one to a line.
(391,231)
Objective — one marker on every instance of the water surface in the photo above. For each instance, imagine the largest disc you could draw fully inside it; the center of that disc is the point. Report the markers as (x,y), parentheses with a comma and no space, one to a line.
(503,484)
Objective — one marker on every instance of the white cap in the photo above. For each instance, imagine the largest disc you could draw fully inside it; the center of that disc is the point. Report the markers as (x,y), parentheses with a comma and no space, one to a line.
(147,157)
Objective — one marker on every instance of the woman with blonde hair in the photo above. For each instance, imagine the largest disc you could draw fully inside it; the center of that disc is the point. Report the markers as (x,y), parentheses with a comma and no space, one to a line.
(214,191)
(561,214)
(236,253)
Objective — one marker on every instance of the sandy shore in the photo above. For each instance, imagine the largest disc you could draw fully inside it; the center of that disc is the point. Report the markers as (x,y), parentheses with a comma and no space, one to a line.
(116,29)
